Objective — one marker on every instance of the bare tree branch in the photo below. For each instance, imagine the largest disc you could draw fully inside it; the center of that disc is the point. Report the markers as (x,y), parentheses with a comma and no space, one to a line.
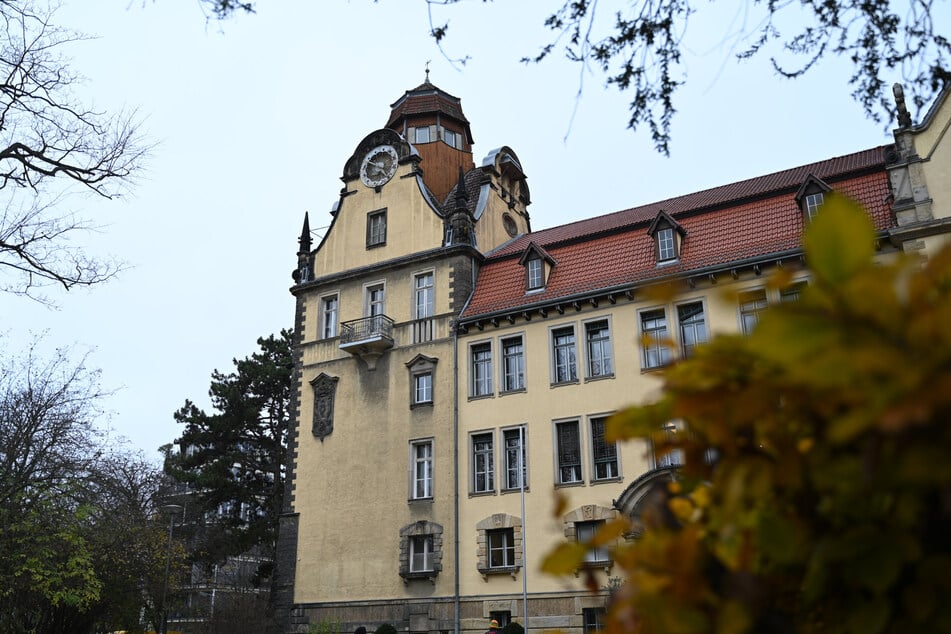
(49,141)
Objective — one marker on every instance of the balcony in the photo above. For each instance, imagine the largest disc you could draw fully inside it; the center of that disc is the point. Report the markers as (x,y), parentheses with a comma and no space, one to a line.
(367,338)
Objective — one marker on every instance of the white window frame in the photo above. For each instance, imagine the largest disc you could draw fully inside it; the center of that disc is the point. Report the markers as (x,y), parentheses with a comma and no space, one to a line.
(598,461)
(428,558)
(489,457)
(422,469)
(519,433)
(703,328)
(369,303)
(480,382)
(329,319)
(584,532)
(535,273)
(422,394)
(376,228)
(606,346)
(576,475)
(660,346)
(750,305)
(506,546)
(514,380)
(424,297)
(666,245)
(420,137)
(571,365)
(812,203)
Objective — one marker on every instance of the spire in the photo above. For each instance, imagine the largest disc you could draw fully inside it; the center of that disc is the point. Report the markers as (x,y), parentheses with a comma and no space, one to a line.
(304,239)
(303,272)
(462,192)
(427,71)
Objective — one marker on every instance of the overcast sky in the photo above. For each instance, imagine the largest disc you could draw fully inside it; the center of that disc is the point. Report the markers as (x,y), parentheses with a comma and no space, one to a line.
(254,119)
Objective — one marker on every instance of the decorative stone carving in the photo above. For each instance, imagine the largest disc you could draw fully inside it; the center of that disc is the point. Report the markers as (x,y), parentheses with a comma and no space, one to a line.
(325,388)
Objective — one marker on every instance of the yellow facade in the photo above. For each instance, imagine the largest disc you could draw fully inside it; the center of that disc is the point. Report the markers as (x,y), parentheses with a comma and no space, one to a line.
(438,337)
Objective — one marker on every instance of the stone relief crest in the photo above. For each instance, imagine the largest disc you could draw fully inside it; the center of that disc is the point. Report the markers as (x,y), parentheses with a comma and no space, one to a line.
(325,387)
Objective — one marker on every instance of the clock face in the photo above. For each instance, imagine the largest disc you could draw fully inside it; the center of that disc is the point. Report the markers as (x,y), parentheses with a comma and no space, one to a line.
(379,165)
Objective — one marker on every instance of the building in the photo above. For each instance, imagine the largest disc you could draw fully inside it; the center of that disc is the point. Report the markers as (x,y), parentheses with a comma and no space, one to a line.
(455,369)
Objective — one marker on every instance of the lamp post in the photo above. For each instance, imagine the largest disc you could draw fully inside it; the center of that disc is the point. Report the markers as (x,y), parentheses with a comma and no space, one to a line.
(172,510)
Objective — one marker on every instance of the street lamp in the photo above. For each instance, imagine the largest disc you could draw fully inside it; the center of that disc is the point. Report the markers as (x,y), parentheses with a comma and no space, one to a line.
(172,510)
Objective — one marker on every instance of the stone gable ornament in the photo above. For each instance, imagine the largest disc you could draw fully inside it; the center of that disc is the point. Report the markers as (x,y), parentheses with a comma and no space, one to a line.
(325,387)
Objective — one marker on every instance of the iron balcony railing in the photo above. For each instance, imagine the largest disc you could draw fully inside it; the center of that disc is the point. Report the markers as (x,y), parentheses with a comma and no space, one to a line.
(366,328)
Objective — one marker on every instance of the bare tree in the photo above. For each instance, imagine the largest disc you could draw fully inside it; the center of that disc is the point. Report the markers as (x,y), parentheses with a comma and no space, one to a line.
(51,142)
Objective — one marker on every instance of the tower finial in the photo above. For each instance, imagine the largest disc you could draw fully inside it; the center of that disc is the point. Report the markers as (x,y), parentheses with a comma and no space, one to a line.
(428,61)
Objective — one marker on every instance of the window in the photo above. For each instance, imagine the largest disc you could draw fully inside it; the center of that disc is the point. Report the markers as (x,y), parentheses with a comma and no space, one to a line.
(514,458)
(375,300)
(593,620)
(536,273)
(752,303)
(693,327)
(513,364)
(563,355)
(376,228)
(483,463)
(604,453)
(656,352)
(423,388)
(666,247)
(665,456)
(568,442)
(420,550)
(422,135)
(812,202)
(481,379)
(422,465)
(791,293)
(503,617)
(598,336)
(421,553)
(328,316)
(586,532)
(501,547)
(449,137)
(423,295)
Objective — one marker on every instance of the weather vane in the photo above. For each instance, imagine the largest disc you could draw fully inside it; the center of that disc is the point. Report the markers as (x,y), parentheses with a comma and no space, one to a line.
(428,61)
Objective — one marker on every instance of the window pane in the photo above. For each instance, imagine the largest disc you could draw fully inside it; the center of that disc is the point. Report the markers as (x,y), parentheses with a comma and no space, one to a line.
(423,470)
(481,379)
(585,532)
(654,338)
(483,463)
(693,327)
(752,303)
(569,452)
(501,544)
(376,301)
(376,228)
(424,295)
(423,388)
(421,553)
(605,453)
(514,455)
(563,352)
(535,273)
(599,349)
(513,364)
(665,245)
(422,135)
(329,317)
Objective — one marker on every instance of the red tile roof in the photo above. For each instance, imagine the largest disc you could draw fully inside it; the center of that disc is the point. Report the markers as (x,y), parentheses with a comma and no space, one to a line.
(726,224)
(426,99)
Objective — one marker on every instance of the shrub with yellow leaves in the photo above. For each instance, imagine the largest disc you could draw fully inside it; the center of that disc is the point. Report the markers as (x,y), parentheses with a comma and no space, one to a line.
(828,505)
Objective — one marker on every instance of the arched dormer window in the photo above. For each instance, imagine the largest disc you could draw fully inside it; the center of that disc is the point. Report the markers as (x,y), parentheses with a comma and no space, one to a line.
(538,265)
(668,237)
(811,196)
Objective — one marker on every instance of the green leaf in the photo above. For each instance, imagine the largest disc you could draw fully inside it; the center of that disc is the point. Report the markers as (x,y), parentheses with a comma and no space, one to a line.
(839,241)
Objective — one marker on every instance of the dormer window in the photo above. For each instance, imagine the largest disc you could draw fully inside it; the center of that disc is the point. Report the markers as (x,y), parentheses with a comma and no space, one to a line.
(538,265)
(668,236)
(536,273)
(666,249)
(811,196)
